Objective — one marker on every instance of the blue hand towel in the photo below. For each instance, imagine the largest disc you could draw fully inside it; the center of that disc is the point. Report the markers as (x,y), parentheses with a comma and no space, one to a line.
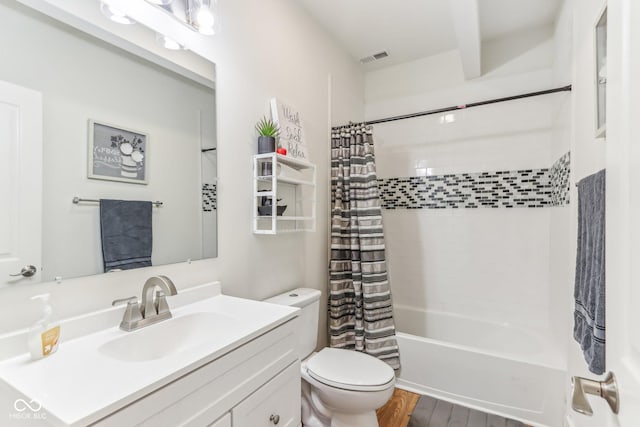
(589,291)
(126,232)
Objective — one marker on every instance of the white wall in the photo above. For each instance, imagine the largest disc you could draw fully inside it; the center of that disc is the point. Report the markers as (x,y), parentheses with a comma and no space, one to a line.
(561,257)
(249,74)
(265,49)
(518,52)
(488,263)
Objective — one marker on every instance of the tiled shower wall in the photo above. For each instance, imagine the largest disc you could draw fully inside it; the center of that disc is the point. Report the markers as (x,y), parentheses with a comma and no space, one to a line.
(445,253)
(529,188)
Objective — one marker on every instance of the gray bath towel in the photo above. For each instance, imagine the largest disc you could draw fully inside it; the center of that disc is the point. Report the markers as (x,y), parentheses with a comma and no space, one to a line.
(125,227)
(589,292)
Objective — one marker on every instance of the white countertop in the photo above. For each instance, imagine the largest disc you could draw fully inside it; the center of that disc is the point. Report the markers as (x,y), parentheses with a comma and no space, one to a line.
(80,384)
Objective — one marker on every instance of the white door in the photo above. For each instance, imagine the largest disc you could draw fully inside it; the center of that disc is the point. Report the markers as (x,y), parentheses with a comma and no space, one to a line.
(623,209)
(20,183)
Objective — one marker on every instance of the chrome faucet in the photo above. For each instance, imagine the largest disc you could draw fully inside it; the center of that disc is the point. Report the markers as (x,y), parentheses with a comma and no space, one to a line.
(150,310)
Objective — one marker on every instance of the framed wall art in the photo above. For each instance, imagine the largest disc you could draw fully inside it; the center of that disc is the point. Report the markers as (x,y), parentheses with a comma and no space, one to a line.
(117,153)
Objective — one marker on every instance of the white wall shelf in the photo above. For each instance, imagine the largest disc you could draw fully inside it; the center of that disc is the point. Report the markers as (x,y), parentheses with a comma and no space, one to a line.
(282,180)
(286,180)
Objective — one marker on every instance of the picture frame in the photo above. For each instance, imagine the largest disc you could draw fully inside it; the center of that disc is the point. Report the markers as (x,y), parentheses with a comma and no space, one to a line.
(117,153)
(600,41)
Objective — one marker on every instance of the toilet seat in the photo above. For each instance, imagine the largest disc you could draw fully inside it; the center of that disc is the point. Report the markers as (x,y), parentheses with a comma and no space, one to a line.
(350,370)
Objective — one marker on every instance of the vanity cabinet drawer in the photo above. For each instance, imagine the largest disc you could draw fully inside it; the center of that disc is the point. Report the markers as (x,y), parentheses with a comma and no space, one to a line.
(275,403)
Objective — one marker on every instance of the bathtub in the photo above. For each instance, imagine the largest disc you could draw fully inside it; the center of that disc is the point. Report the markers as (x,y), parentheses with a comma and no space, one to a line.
(490,366)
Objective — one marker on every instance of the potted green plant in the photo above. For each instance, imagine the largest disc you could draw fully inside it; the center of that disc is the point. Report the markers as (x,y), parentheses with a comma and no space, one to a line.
(267,132)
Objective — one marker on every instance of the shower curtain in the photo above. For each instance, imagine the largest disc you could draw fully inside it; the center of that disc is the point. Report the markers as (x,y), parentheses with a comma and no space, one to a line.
(360,310)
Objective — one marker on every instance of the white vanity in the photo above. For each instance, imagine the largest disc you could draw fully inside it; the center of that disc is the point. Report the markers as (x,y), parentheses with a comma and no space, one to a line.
(220,361)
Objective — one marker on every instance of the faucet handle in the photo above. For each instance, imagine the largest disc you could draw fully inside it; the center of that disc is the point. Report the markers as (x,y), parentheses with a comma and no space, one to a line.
(161,304)
(131,315)
(129,300)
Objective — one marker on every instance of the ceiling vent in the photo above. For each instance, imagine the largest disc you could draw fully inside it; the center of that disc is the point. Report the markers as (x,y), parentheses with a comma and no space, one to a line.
(374,57)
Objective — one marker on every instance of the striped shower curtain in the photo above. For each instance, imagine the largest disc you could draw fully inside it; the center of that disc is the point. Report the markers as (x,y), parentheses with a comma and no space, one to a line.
(360,310)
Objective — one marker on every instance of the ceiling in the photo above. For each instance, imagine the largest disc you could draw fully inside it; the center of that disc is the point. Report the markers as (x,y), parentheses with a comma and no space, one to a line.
(412,29)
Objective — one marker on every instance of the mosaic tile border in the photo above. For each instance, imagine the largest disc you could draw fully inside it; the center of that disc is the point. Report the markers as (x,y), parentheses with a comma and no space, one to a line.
(209,197)
(560,174)
(529,188)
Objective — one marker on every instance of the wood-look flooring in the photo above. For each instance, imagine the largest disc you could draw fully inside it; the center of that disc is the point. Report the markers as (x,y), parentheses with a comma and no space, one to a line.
(397,412)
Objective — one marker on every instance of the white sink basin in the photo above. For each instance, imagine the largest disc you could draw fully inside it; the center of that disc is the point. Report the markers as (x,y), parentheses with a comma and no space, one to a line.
(169,336)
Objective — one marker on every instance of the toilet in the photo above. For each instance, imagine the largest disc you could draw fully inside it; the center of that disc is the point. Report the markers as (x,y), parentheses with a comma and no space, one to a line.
(340,388)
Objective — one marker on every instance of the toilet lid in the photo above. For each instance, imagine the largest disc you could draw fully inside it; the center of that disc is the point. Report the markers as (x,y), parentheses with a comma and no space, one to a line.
(351,370)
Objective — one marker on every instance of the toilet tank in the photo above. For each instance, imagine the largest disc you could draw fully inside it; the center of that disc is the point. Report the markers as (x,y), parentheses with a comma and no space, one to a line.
(308,300)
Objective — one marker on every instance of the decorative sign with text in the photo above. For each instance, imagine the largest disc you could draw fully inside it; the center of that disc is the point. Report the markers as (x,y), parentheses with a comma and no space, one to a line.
(291,133)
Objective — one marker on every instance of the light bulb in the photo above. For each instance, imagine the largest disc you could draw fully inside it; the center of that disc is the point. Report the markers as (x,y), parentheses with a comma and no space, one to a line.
(205,20)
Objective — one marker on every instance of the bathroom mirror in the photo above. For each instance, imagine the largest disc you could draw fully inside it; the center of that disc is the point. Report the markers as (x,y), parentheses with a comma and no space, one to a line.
(84,80)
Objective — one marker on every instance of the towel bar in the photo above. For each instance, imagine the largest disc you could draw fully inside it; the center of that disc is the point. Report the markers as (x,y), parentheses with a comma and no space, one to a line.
(77,200)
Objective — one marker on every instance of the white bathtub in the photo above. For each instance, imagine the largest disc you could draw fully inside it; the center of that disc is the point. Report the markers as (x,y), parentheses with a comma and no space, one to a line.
(489,366)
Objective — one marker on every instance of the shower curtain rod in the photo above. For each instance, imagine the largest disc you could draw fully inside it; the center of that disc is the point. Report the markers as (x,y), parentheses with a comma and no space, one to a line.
(471,105)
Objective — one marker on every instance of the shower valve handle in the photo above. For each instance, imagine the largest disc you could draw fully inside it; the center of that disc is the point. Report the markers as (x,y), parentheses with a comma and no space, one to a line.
(607,389)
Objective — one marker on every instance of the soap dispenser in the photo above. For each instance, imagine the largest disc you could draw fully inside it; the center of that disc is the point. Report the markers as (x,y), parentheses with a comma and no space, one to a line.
(43,336)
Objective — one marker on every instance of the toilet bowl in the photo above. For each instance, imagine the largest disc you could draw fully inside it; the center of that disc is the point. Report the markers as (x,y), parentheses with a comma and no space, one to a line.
(343,388)
(340,388)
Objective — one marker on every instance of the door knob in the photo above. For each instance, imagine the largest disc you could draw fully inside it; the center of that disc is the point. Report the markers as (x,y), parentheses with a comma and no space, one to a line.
(27,271)
(607,389)
(275,419)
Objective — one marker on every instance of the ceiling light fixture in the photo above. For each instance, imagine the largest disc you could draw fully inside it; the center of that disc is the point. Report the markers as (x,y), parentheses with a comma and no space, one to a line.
(115,14)
(198,15)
